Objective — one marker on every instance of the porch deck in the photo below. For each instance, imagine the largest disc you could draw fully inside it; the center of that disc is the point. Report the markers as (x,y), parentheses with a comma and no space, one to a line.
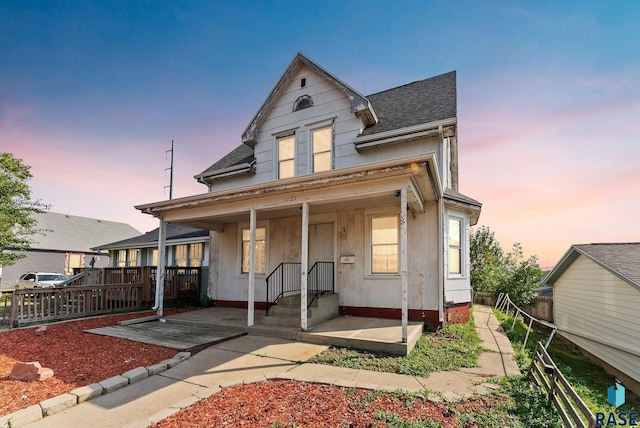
(370,334)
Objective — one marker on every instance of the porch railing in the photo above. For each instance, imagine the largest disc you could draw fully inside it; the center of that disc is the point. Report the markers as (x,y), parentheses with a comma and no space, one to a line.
(319,281)
(285,280)
(46,304)
(180,282)
(282,281)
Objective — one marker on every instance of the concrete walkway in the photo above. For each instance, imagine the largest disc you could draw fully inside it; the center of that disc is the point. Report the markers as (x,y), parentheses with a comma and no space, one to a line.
(251,358)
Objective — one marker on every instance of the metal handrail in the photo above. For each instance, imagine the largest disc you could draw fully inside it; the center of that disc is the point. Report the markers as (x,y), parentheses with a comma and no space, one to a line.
(283,279)
(320,274)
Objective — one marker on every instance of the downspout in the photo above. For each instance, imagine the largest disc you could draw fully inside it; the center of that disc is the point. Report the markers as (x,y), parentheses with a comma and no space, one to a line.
(441,255)
(160,273)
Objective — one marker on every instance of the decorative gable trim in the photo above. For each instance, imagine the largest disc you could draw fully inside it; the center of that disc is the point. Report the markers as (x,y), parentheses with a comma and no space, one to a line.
(360,105)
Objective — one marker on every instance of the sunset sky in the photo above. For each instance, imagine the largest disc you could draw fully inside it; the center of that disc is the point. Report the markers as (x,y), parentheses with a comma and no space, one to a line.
(93,92)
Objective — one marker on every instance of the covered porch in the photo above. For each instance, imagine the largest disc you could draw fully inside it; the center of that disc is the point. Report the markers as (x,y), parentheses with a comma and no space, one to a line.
(310,222)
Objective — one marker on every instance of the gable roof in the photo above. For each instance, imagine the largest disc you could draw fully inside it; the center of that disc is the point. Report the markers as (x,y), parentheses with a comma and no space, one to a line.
(238,161)
(621,259)
(360,105)
(175,233)
(64,232)
(424,101)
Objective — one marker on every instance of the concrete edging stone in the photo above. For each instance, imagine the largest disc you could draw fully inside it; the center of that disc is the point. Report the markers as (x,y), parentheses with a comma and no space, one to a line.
(67,400)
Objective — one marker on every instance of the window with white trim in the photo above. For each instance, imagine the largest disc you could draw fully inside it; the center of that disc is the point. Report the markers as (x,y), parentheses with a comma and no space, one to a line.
(286,156)
(385,244)
(188,255)
(455,246)
(321,142)
(260,262)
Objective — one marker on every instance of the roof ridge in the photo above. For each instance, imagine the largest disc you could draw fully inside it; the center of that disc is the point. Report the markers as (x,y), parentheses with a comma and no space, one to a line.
(410,83)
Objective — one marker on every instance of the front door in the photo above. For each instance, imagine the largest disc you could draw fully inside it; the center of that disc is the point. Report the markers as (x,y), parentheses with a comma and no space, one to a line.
(320,243)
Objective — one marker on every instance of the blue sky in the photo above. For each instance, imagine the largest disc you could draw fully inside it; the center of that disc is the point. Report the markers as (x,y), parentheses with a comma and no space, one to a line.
(93,92)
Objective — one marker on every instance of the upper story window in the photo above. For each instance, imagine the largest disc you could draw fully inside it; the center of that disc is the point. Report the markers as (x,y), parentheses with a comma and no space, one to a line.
(286,156)
(321,146)
(455,246)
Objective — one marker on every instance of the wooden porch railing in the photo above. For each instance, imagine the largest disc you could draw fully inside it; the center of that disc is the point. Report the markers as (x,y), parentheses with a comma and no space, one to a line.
(47,304)
(180,282)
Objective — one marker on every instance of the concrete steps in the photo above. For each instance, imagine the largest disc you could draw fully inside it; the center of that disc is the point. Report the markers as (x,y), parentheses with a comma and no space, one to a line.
(286,313)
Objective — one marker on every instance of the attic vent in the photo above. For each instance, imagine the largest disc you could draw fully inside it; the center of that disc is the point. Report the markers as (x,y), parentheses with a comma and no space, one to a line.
(303,82)
(305,101)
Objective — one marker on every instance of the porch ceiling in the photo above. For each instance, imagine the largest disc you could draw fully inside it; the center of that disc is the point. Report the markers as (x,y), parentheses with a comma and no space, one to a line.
(339,190)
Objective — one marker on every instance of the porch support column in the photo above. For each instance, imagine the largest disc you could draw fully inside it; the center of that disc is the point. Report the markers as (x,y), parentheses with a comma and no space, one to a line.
(304,265)
(161,272)
(403,261)
(252,267)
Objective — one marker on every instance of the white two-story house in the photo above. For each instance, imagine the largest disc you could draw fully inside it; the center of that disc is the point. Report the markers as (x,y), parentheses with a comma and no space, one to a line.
(332,193)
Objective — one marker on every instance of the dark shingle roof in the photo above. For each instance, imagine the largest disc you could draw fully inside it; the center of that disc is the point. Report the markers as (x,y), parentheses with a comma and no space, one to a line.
(174,232)
(239,155)
(621,259)
(457,196)
(419,102)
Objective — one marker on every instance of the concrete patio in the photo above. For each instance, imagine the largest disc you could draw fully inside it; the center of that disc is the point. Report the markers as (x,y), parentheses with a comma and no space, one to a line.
(198,329)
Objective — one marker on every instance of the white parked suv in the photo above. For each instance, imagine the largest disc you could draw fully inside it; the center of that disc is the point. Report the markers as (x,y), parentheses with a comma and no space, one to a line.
(40,280)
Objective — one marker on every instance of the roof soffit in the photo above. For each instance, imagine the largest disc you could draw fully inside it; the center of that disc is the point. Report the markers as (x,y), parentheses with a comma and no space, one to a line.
(360,105)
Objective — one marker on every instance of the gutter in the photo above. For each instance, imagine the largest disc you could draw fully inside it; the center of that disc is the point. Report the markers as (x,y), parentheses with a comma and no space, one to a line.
(226,172)
(431,129)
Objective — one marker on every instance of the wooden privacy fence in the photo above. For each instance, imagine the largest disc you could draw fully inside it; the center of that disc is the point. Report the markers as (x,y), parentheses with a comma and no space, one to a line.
(544,373)
(48,304)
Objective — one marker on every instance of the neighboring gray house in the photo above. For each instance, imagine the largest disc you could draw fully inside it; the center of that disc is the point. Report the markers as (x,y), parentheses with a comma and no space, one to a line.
(67,243)
(186,247)
(596,293)
(336,190)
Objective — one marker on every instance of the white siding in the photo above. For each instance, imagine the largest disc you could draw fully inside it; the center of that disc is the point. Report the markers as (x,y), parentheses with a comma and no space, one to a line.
(354,286)
(625,362)
(593,303)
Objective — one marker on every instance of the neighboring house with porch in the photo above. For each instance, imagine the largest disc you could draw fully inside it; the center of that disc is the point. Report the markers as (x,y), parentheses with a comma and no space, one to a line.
(335,192)
(66,242)
(185,247)
(596,304)
(186,259)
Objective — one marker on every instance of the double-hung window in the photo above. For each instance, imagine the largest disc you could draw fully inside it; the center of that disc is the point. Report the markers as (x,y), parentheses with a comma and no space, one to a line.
(455,246)
(261,250)
(286,156)
(385,242)
(321,144)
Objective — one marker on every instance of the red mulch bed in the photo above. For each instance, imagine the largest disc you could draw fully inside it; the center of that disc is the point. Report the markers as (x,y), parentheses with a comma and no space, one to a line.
(77,358)
(292,404)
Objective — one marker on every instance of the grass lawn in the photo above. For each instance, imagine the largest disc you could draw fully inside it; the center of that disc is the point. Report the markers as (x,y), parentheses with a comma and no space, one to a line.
(588,379)
(455,346)
(450,348)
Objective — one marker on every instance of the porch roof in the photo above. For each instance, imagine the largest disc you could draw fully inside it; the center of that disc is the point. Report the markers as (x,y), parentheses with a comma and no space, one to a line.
(373,184)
